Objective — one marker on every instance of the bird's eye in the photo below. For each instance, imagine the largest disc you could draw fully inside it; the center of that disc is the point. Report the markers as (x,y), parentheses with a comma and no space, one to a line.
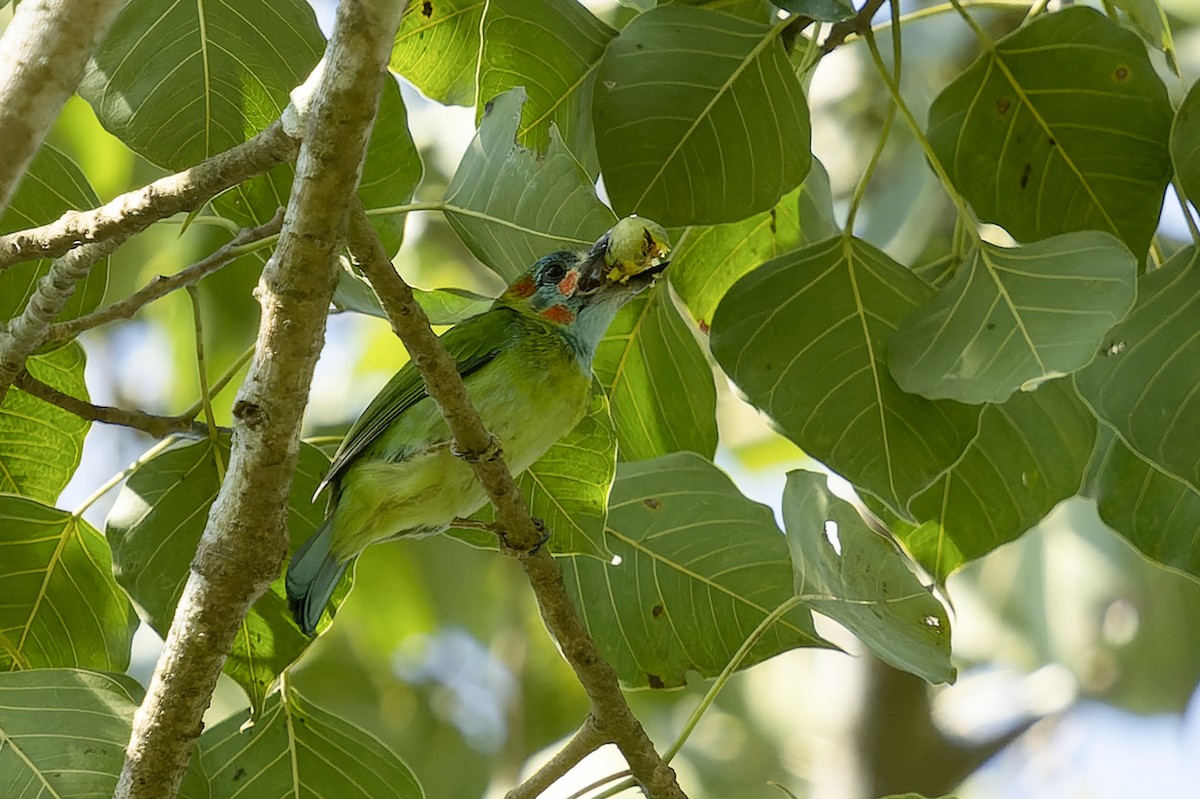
(553,273)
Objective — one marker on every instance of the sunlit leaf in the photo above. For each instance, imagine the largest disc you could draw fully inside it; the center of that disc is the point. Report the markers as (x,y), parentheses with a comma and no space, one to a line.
(511,206)
(298,749)
(41,444)
(155,527)
(437,48)
(862,581)
(700,567)
(660,385)
(1063,126)
(1185,143)
(1013,318)
(805,337)
(699,118)
(61,605)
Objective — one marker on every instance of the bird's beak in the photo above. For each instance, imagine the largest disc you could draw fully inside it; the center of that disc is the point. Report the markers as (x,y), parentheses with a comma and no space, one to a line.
(593,276)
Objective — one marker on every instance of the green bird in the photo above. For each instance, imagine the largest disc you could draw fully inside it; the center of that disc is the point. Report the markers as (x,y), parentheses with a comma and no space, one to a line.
(527,365)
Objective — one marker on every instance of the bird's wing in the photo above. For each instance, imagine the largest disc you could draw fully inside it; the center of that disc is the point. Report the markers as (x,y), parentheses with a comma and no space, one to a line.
(472,344)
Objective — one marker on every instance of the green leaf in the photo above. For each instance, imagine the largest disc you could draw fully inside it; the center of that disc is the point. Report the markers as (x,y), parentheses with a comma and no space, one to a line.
(568,486)
(511,206)
(64,732)
(437,48)
(559,74)
(53,185)
(1154,510)
(863,581)
(179,82)
(1013,318)
(1144,383)
(61,605)
(701,566)
(660,385)
(1185,143)
(820,10)
(155,526)
(699,118)
(805,337)
(41,444)
(298,749)
(1029,455)
(1150,20)
(443,306)
(1061,127)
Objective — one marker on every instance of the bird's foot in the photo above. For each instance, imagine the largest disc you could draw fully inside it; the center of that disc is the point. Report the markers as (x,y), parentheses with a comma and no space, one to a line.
(521,551)
(490,454)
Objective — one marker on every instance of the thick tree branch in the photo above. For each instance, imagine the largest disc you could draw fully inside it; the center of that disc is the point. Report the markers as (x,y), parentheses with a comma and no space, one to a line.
(586,740)
(860,23)
(42,57)
(163,285)
(157,426)
(245,539)
(134,212)
(612,715)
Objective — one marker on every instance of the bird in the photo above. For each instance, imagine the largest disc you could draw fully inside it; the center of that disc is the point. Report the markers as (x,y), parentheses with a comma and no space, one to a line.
(527,366)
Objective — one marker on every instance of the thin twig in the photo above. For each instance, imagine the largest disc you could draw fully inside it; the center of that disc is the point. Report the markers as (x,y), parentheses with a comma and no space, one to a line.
(523,537)
(586,740)
(163,285)
(860,23)
(157,426)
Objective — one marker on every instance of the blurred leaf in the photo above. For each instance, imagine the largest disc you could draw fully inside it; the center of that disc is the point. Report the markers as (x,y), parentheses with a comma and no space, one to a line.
(568,486)
(41,444)
(511,206)
(1156,511)
(1029,455)
(1150,20)
(1144,383)
(701,566)
(820,10)
(52,186)
(1185,143)
(443,306)
(437,48)
(660,385)
(1062,127)
(699,118)
(805,337)
(180,82)
(61,605)
(863,582)
(558,75)
(1013,318)
(297,749)
(155,526)
(817,219)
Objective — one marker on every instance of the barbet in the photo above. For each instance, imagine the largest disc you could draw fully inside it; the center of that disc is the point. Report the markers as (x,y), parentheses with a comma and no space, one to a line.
(527,365)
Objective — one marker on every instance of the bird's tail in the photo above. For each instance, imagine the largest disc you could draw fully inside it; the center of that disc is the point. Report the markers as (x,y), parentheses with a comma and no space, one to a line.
(311,577)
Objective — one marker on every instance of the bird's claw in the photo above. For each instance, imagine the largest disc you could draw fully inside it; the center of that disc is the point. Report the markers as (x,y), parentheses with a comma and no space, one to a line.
(523,552)
(490,454)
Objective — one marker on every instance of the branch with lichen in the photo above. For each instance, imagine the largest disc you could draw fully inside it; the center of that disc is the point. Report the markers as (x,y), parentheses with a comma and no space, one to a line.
(612,718)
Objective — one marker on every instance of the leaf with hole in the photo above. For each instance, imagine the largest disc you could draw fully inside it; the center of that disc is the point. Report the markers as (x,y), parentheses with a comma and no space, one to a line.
(437,48)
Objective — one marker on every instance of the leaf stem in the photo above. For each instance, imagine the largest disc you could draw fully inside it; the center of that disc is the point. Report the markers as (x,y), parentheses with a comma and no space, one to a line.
(202,373)
(222,381)
(122,475)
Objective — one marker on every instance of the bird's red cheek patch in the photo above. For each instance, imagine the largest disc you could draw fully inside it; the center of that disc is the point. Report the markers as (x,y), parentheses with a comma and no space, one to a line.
(566,286)
(559,314)
(524,287)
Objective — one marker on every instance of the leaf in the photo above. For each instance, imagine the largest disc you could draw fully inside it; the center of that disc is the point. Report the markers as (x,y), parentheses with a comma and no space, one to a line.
(820,10)
(179,82)
(1185,143)
(1061,127)
(510,206)
(699,118)
(701,566)
(53,185)
(443,306)
(1150,20)
(298,749)
(805,337)
(568,486)
(1144,383)
(558,75)
(61,605)
(862,581)
(63,732)
(1013,318)
(41,444)
(155,527)
(1154,510)
(1030,454)
(437,48)
(660,386)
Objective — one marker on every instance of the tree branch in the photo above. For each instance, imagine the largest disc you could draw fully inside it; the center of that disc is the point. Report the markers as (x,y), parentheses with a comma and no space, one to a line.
(859,23)
(586,740)
(245,539)
(611,712)
(157,426)
(42,57)
(135,211)
(163,285)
